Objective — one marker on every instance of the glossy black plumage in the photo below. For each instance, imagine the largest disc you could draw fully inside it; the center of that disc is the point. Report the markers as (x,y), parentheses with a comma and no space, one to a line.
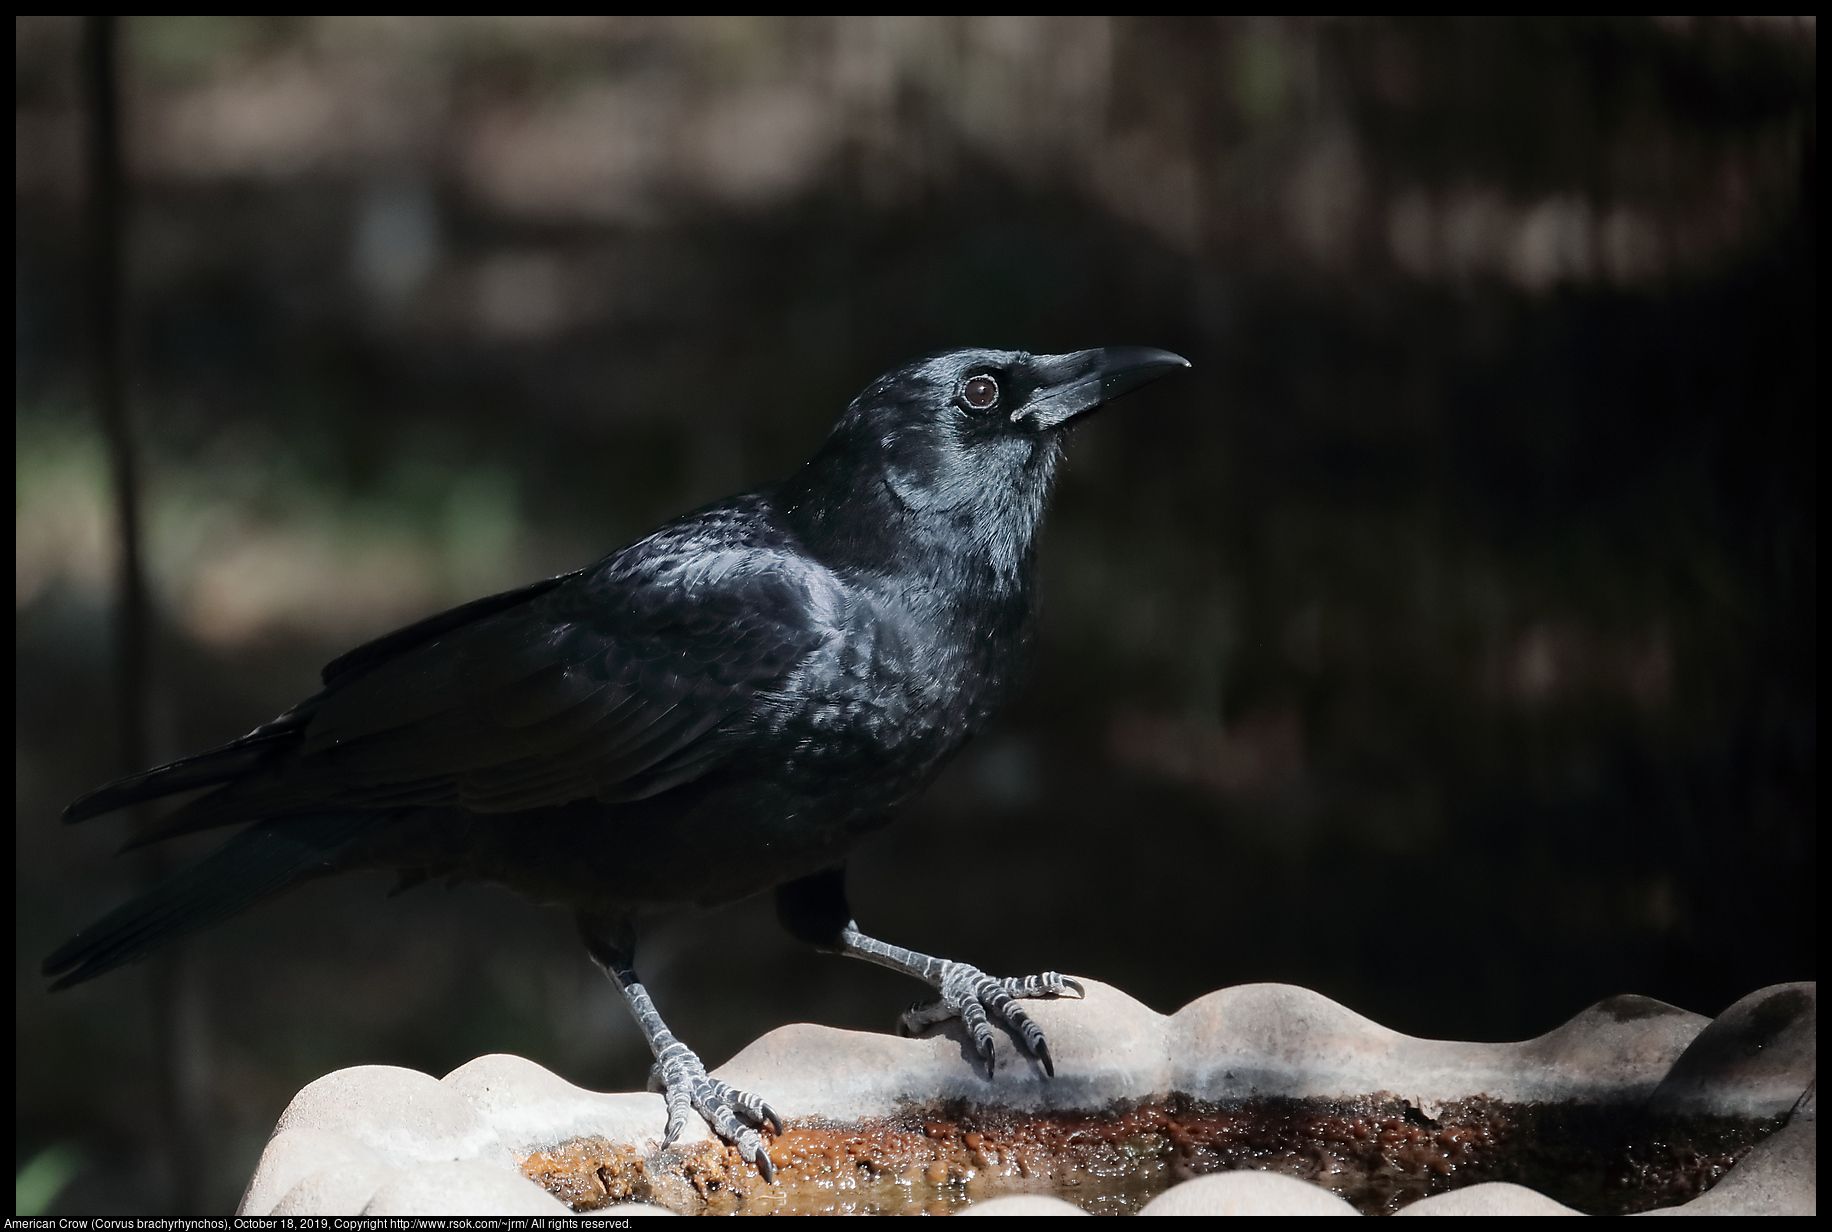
(721,707)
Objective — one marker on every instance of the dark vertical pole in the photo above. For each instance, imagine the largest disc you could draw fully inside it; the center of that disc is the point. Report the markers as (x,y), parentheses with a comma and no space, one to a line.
(180,1134)
(105,294)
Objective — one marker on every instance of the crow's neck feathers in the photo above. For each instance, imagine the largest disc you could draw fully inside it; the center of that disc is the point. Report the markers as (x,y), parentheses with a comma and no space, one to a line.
(918,494)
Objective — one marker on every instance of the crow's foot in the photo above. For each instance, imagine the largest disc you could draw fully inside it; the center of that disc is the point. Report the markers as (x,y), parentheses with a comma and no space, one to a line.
(678,1075)
(967,992)
(683,1081)
(977,998)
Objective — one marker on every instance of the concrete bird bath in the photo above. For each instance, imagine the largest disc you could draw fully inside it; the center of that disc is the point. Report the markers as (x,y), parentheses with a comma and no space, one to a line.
(1263,1098)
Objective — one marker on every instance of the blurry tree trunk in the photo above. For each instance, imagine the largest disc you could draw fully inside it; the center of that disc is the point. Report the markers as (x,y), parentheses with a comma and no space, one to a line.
(105,291)
(175,1009)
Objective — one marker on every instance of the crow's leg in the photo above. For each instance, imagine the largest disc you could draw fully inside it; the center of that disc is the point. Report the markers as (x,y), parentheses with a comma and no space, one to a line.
(814,910)
(967,993)
(678,1074)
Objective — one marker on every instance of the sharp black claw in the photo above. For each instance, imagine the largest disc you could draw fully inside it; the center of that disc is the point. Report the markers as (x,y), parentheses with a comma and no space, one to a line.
(775,1121)
(1043,1055)
(1076,985)
(765,1167)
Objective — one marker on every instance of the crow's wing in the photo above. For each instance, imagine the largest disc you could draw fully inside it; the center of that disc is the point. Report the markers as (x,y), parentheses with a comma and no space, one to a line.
(618,683)
(272,742)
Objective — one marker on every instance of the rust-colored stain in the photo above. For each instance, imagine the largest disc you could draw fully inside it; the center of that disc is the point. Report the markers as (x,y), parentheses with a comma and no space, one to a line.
(1379,1155)
(587,1173)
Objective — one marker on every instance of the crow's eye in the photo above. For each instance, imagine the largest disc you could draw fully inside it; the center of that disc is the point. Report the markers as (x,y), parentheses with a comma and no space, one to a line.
(981,393)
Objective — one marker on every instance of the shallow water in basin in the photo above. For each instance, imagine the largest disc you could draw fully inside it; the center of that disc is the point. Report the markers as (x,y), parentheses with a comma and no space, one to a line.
(1378,1155)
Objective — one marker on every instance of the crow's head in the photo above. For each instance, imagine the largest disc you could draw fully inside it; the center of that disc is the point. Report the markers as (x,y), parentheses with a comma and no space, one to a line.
(956,451)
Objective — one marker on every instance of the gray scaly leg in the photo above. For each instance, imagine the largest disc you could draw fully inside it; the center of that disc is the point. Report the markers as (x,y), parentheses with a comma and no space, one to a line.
(814,909)
(684,1082)
(965,991)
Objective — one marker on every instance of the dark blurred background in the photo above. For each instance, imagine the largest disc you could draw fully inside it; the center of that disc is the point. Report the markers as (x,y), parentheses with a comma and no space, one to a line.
(1443,642)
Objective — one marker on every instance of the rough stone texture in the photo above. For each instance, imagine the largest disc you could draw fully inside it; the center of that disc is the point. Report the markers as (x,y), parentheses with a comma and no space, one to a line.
(463,1187)
(529,1107)
(378,1138)
(1779,1177)
(293,1154)
(1276,1040)
(1490,1198)
(336,1189)
(1618,1045)
(1024,1204)
(1254,1040)
(1247,1193)
(402,1114)
(1106,1046)
(1754,1060)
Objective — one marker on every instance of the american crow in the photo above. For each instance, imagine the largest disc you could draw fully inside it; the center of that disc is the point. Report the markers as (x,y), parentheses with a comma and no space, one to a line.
(723,706)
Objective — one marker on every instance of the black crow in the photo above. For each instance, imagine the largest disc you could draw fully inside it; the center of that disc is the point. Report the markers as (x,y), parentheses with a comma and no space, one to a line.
(725,706)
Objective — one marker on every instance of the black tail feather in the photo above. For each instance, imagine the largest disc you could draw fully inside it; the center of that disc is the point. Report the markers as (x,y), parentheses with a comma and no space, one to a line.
(204,770)
(256,864)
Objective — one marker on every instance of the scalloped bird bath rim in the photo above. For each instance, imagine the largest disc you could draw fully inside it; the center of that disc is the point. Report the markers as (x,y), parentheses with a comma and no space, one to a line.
(918,1120)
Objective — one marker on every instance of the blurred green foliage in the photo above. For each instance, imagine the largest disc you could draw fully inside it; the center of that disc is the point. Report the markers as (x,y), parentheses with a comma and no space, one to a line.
(43,1177)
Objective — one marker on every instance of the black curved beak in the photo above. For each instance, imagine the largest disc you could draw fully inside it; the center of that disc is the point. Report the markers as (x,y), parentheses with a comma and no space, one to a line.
(1073,384)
